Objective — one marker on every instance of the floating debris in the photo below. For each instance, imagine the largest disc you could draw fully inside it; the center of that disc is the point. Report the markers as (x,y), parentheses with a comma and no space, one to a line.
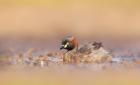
(90,56)
(88,53)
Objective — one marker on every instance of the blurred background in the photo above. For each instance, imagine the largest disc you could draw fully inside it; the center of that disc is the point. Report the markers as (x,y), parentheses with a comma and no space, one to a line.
(43,23)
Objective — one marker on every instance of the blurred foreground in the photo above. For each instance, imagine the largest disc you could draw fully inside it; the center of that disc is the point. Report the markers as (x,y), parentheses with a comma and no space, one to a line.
(67,76)
(30,34)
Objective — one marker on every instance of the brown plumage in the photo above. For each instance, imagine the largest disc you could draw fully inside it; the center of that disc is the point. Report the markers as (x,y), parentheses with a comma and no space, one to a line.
(69,43)
(97,45)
